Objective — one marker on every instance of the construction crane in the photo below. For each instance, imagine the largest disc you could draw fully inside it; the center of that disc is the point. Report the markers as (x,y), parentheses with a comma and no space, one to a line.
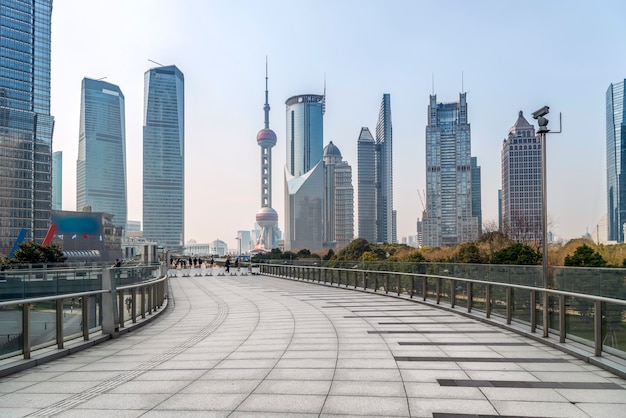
(422,196)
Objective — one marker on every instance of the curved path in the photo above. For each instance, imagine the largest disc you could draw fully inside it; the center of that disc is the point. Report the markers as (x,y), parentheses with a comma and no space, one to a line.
(259,346)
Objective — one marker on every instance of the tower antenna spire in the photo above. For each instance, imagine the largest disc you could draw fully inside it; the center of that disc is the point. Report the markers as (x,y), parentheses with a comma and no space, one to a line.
(324,97)
(433,81)
(266,107)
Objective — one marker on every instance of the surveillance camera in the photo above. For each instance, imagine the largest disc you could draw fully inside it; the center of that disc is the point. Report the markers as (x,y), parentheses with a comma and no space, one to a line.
(541,112)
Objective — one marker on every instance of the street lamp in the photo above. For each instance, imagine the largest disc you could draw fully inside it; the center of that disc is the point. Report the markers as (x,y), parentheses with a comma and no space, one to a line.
(239,254)
(539,115)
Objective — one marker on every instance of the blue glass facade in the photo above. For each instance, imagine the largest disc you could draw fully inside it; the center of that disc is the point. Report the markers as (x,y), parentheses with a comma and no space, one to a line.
(164,157)
(304,173)
(305,132)
(57,180)
(366,183)
(25,122)
(616,160)
(101,163)
(384,173)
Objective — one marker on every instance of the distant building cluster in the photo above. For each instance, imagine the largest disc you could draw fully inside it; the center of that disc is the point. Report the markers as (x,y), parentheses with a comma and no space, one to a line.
(319,194)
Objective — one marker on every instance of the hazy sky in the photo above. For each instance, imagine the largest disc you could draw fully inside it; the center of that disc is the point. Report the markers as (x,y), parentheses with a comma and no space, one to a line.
(510,55)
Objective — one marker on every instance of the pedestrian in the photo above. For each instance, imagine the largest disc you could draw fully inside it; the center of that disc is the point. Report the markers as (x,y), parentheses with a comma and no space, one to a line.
(227,265)
(118,263)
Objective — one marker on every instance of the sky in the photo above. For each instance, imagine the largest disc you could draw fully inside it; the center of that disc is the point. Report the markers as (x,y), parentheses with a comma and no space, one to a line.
(507,56)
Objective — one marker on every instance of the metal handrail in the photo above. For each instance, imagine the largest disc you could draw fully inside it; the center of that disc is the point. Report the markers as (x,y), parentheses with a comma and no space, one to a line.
(298,273)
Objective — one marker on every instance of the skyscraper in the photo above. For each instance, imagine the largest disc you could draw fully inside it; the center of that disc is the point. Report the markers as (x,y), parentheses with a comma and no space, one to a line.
(384,174)
(164,156)
(101,163)
(477,210)
(304,172)
(338,198)
(521,183)
(25,122)
(266,217)
(57,180)
(615,161)
(448,219)
(366,183)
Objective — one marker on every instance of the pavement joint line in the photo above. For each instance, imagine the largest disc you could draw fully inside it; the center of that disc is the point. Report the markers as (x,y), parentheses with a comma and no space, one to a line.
(103,387)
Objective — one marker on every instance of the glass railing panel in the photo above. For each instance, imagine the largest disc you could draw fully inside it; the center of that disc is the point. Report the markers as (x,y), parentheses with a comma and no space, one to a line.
(42,324)
(579,319)
(521,306)
(498,301)
(11,334)
(72,318)
(94,313)
(614,329)
(478,297)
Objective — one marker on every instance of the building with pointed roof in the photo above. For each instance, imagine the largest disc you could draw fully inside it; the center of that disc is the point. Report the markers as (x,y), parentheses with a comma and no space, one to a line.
(615,161)
(338,199)
(521,183)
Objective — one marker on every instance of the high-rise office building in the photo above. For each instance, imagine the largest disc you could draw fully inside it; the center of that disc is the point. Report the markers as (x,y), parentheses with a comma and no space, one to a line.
(477,210)
(448,219)
(384,174)
(25,122)
(101,163)
(266,217)
(57,180)
(521,183)
(304,172)
(164,156)
(339,198)
(366,185)
(615,161)
(375,179)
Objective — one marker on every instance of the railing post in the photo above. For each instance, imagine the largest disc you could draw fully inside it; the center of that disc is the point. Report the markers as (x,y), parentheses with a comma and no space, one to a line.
(597,327)
(108,311)
(438,289)
(399,277)
(452,293)
(412,289)
(120,308)
(562,331)
(59,322)
(375,282)
(143,302)
(26,330)
(470,296)
(424,286)
(386,283)
(85,313)
(365,280)
(488,301)
(533,311)
(134,304)
(546,318)
(509,305)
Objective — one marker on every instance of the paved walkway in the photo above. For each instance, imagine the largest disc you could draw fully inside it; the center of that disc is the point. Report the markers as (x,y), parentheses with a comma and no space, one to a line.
(258,346)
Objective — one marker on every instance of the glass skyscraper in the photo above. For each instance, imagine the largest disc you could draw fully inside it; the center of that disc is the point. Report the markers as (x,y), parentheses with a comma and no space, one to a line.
(304,173)
(101,163)
(57,180)
(448,220)
(164,157)
(366,184)
(522,218)
(384,174)
(375,179)
(477,210)
(25,122)
(615,161)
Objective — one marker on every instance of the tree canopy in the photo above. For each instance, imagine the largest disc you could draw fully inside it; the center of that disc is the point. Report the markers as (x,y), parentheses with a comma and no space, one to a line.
(585,256)
(516,254)
(31,252)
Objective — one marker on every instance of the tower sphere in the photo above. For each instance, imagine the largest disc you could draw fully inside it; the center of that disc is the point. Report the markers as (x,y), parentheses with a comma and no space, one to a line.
(266,217)
(266,138)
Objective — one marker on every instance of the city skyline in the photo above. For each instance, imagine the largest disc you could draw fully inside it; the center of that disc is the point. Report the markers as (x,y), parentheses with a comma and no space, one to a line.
(573,70)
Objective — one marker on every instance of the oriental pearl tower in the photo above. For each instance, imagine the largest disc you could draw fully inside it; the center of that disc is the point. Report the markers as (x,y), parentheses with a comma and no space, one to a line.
(266,217)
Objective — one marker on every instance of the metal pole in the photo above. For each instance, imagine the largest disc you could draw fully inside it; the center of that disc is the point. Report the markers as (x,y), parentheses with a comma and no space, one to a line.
(544,216)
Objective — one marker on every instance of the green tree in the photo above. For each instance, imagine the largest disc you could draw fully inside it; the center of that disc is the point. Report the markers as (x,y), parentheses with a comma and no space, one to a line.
(469,253)
(516,254)
(354,250)
(330,254)
(585,256)
(31,252)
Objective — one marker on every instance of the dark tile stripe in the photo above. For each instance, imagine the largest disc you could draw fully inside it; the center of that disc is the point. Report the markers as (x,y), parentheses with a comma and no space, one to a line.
(483,359)
(458,343)
(430,323)
(527,385)
(432,332)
